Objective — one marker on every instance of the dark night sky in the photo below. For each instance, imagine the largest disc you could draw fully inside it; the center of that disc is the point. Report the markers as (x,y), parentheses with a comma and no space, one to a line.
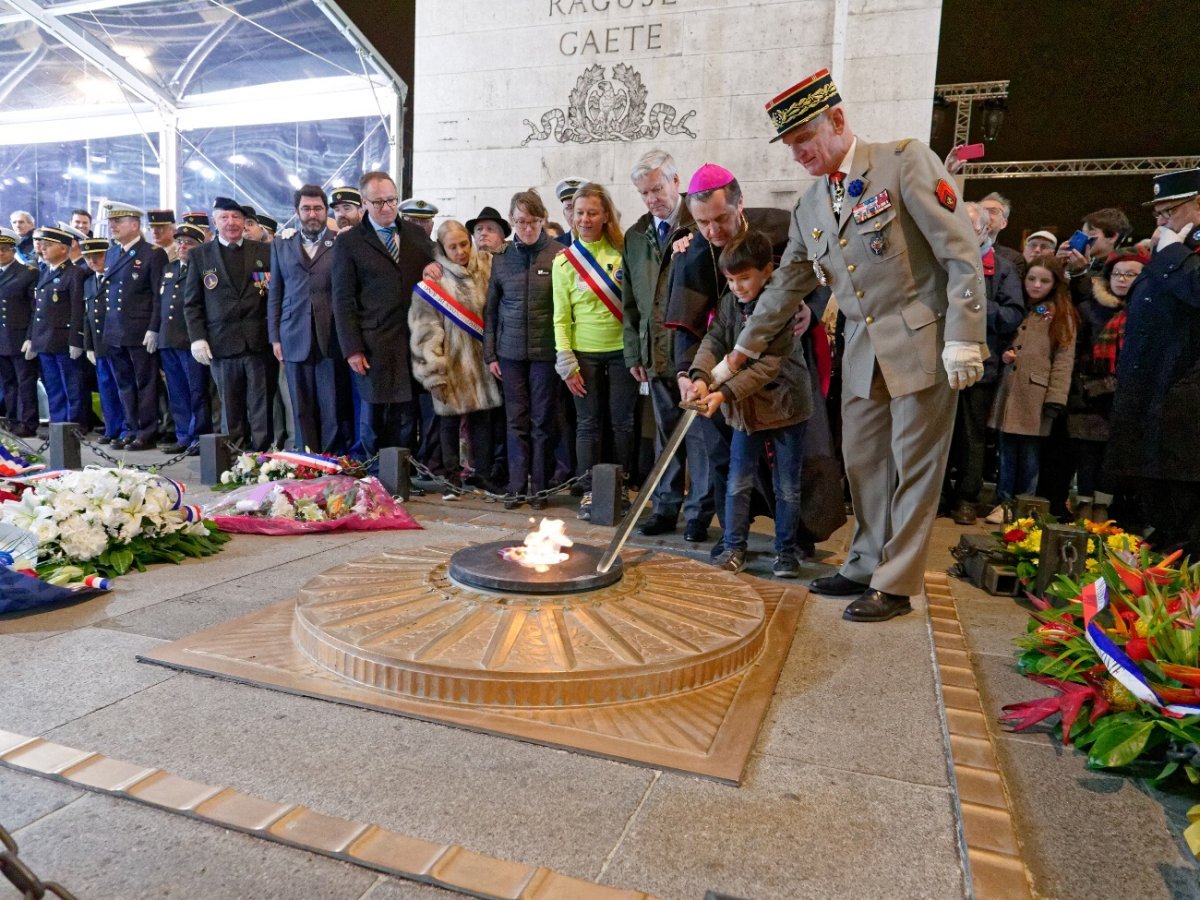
(1088,80)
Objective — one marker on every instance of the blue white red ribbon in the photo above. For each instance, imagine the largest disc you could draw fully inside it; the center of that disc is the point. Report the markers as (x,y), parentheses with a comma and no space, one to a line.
(452,309)
(325,464)
(177,486)
(606,290)
(1095,599)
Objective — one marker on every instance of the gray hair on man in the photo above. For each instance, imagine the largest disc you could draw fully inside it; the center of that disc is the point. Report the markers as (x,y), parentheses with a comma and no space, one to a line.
(651,160)
(26,216)
(1005,203)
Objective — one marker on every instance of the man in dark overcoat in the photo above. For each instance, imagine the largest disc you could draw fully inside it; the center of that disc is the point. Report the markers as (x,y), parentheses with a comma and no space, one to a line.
(225,304)
(18,375)
(300,326)
(376,265)
(1157,403)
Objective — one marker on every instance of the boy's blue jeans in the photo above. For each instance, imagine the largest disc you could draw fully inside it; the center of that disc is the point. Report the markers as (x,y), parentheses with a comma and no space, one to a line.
(745,452)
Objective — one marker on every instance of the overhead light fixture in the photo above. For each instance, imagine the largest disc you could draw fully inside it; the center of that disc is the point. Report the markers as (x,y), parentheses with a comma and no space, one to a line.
(941,109)
(993,117)
(239,159)
(136,57)
(294,181)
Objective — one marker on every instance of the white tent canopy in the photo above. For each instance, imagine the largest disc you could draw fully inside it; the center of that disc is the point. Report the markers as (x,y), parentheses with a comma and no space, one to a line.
(168,104)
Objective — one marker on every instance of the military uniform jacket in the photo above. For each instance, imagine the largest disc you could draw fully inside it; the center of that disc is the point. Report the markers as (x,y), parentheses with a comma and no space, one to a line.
(300,298)
(371,297)
(907,277)
(173,332)
(644,293)
(93,314)
(231,317)
(17,283)
(132,280)
(58,318)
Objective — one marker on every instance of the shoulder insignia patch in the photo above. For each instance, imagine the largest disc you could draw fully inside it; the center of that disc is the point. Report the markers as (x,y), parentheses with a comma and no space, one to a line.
(945,194)
(900,145)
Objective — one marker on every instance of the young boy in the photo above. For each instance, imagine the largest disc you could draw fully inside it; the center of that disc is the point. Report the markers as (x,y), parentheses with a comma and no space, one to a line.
(770,399)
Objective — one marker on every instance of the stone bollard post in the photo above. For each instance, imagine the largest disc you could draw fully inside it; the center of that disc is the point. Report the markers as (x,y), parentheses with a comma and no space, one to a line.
(394,472)
(64,446)
(215,457)
(608,494)
(1063,552)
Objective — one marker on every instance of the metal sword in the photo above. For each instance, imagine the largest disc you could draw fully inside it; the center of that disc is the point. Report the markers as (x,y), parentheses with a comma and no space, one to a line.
(648,486)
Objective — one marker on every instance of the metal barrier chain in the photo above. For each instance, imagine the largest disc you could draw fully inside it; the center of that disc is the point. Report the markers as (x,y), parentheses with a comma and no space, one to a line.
(141,467)
(12,439)
(491,496)
(22,877)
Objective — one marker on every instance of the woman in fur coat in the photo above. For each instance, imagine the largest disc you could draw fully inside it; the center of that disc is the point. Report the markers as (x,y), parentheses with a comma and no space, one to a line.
(445,322)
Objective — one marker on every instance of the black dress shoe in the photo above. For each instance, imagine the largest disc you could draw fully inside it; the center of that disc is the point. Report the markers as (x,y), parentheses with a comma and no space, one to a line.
(877,606)
(837,585)
(657,524)
(172,449)
(138,444)
(194,450)
(104,439)
(695,532)
(120,443)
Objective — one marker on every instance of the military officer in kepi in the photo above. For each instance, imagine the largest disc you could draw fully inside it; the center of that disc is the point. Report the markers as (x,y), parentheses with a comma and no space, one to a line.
(56,333)
(187,380)
(419,212)
(565,192)
(882,227)
(18,375)
(133,279)
(95,253)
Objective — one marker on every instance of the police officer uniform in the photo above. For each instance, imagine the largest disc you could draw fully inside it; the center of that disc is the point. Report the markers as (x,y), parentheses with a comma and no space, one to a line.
(419,212)
(163,217)
(56,332)
(187,380)
(133,279)
(95,303)
(887,234)
(18,375)
(565,190)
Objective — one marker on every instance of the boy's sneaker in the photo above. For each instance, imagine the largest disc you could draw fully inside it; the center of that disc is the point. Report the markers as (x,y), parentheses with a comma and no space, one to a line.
(731,560)
(585,507)
(996,516)
(786,566)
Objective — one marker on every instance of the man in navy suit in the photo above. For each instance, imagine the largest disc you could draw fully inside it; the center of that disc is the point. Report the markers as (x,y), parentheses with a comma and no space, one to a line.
(133,279)
(376,265)
(225,304)
(300,325)
(18,375)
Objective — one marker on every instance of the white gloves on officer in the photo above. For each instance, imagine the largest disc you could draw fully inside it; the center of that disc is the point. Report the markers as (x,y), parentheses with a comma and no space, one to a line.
(202,353)
(76,352)
(150,342)
(91,355)
(964,363)
(27,349)
(1167,237)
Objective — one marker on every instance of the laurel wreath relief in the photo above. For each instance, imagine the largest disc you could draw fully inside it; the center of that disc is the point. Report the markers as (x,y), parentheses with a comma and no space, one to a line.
(602,109)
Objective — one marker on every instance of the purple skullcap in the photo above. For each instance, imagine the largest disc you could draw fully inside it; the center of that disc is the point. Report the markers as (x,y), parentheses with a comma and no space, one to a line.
(709,177)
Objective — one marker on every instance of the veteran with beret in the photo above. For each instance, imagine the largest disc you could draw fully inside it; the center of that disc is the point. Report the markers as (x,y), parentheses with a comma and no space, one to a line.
(882,227)
(18,375)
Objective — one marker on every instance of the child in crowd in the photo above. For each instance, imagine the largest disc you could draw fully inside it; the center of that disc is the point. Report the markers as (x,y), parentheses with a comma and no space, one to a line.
(1035,382)
(767,401)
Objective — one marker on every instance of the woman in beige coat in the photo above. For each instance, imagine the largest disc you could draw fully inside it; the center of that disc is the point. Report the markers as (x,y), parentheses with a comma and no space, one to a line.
(1035,382)
(446,326)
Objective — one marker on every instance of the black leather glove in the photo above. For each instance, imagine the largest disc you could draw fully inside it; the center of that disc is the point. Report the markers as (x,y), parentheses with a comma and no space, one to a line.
(1052,410)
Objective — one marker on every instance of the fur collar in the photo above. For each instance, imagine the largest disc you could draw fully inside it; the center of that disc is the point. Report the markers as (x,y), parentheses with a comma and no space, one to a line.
(1103,295)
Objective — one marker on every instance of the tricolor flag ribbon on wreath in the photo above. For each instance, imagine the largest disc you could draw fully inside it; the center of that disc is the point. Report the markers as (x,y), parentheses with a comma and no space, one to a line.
(1095,599)
(435,296)
(594,276)
(325,464)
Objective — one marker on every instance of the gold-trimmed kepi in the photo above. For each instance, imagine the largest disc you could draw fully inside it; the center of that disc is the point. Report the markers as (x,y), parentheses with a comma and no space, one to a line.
(802,103)
(412,208)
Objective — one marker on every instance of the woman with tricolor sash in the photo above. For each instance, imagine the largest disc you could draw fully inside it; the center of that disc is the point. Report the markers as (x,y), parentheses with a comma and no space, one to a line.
(588,334)
(445,322)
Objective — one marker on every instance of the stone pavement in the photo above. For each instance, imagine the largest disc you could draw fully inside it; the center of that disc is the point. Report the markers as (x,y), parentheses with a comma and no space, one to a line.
(849,792)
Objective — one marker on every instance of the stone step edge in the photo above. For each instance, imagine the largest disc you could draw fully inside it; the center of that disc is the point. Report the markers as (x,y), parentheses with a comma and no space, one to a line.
(993,861)
(447,866)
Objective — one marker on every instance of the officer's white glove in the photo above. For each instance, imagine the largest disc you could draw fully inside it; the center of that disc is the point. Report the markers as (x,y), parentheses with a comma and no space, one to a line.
(150,342)
(91,355)
(286,233)
(964,363)
(27,349)
(76,352)
(721,373)
(1167,237)
(202,353)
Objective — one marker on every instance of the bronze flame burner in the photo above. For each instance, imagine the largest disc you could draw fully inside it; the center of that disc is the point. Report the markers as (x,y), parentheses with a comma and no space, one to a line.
(484,566)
